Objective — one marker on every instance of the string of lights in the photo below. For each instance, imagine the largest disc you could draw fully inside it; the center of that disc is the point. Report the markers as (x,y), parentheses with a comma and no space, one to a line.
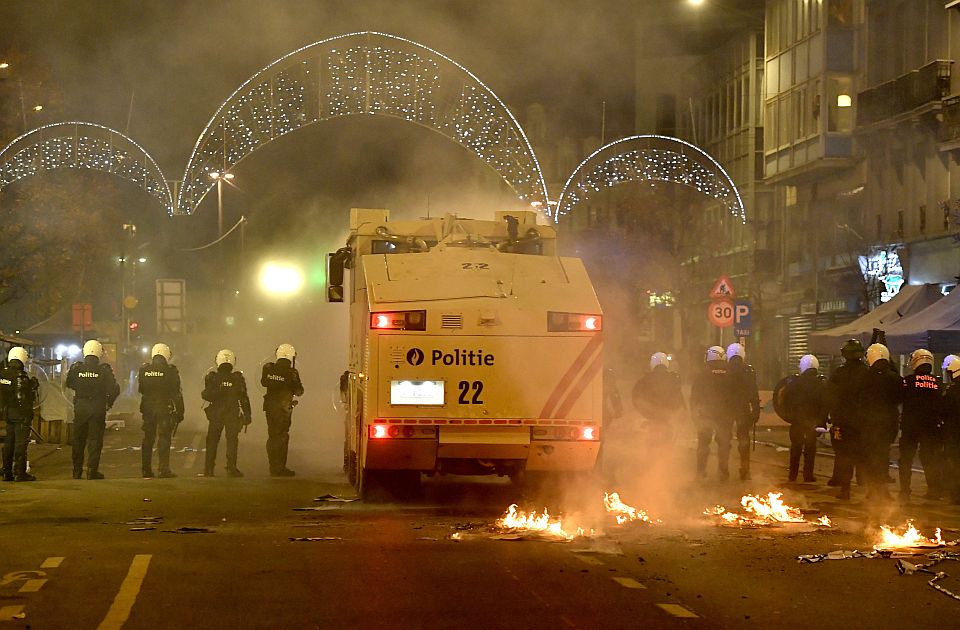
(364,73)
(83,145)
(650,158)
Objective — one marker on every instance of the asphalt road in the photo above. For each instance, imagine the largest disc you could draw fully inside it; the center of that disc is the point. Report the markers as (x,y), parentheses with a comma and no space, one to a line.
(70,558)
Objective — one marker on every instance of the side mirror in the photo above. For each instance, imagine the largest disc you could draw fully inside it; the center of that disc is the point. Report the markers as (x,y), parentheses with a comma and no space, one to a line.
(334,293)
(335,265)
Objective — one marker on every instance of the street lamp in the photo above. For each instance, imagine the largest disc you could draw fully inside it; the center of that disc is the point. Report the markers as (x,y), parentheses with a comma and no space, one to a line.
(219,177)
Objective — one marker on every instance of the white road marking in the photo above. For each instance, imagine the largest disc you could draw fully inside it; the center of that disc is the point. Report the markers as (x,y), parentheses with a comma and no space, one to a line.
(628,583)
(590,560)
(32,586)
(8,612)
(52,563)
(678,611)
(123,603)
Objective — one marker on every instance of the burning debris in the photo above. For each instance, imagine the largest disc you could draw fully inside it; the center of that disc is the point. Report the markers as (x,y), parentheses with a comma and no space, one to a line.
(621,511)
(762,512)
(909,539)
(544,525)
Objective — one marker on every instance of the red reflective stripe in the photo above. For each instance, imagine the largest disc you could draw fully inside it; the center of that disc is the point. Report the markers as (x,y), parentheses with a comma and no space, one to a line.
(580,385)
(592,346)
(456,421)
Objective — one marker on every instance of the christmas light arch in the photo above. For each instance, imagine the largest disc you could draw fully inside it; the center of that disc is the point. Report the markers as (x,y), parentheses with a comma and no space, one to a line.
(87,146)
(363,73)
(650,158)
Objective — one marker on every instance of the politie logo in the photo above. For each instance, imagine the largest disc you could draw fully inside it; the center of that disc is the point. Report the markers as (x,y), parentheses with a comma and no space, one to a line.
(415,356)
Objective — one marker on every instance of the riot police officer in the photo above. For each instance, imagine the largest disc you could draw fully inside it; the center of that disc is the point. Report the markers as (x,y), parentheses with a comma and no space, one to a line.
(920,426)
(96,390)
(161,405)
(18,396)
(282,382)
(944,368)
(880,414)
(806,397)
(229,411)
(744,399)
(950,415)
(657,394)
(711,411)
(845,387)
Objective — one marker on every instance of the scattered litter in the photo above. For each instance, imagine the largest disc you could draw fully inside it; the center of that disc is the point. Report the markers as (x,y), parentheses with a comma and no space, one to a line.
(837,555)
(190,530)
(146,500)
(142,529)
(320,508)
(335,499)
(188,449)
(313,538)
(782,449)
(427,538)
(145,520)
(127,448)
(19,615)
(457,536)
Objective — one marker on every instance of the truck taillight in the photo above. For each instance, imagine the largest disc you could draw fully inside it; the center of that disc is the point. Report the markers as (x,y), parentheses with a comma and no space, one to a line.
(378,431)
(589,433)
(573,322)
(399,320)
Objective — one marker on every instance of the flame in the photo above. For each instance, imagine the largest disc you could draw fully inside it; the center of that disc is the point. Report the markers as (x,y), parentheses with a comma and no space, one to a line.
(824,521)
(516,520)
(621,511)
(911,537)
(760,511)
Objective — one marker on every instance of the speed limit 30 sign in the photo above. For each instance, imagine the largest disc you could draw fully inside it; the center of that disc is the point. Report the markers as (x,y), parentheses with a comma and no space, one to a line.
(720,313)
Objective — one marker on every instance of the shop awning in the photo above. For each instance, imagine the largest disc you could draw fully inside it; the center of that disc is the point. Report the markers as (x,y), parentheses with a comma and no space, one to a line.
(936,328)
(912,299)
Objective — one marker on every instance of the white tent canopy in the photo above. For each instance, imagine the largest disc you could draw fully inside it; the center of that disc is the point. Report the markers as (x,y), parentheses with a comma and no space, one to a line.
(911,300)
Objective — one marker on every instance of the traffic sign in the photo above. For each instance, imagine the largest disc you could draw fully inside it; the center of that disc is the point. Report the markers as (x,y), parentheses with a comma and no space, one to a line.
(722,288)
(742,318)
(721,313)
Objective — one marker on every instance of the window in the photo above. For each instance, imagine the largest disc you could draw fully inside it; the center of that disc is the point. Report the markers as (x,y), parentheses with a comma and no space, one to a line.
(840,101)
(790,196)
(840,13)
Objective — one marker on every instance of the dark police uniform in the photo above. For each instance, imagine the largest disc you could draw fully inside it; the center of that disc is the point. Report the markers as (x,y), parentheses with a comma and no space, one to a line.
(880,414)
(920,427)
(282,382)
(709,398)
(806,396)
(658,396)
(161,405)
(96,391)
(744,401)
(845,387)
(950,415)
(229,411)
(18,395)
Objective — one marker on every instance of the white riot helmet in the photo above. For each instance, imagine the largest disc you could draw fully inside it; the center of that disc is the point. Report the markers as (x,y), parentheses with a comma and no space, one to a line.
(876,352)
(736,350)
(163,350)
(715,353)
(286,351)
(807,362)
(226,356)
(920,357)
(18,353)
(93,348)
(954,368)
(947,360)
(659,358)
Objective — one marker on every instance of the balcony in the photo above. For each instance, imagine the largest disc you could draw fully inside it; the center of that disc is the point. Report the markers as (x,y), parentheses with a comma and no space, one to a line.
(908,93)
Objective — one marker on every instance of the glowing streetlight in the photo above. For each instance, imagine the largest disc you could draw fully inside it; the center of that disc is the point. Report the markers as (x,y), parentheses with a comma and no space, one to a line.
(695,3)
(4,65)
(38,107)
(281,279)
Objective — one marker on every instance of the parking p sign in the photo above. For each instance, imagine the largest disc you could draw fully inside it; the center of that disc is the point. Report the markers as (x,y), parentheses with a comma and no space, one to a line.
(742,324)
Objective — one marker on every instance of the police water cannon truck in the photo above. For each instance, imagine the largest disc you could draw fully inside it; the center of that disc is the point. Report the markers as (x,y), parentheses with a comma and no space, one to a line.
(474,349)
